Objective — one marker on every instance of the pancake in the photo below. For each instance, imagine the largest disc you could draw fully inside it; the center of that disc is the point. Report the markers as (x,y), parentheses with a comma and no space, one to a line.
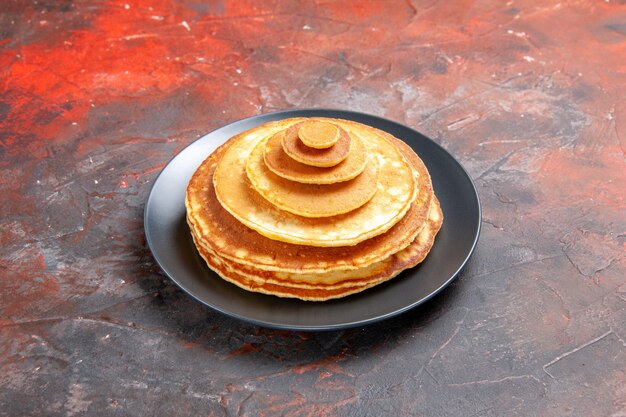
(296,149)
(313,287)
(284,166)
(343,278)
(317,134)
(216,229)
(232,276)
(396,191)
(311,200)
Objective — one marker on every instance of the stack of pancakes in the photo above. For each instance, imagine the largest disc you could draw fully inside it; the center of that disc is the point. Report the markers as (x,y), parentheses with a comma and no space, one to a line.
(312,208)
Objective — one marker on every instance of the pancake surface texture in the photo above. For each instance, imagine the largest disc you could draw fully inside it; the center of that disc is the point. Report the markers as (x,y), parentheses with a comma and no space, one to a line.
(314,241)
(311,200)
(284,166)
(317,134)
(326,157)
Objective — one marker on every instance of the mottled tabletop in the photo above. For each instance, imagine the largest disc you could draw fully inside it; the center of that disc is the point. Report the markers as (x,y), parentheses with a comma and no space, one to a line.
(97,96)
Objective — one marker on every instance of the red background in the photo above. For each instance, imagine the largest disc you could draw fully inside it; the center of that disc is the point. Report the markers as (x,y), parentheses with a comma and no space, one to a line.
(96,96)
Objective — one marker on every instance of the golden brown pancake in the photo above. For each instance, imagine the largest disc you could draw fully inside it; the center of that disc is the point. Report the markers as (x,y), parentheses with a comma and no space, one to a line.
(312,286)
(311,200)
(317,134)
(232,276)
(230,220)
(396,191)
(216,229)
(296,149)
(284,166)
(339,278)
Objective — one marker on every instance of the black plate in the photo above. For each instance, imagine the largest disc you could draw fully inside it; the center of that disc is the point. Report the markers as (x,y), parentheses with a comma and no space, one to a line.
(169,238)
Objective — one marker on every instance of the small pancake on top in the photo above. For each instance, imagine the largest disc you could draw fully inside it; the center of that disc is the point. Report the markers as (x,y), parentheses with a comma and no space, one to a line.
(326,157)
(285,166)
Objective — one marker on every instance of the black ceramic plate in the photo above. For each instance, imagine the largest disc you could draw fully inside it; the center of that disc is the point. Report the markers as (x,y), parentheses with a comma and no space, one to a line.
(169,238)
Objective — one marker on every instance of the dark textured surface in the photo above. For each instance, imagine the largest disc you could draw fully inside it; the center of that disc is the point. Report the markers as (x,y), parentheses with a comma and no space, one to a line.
(96,96)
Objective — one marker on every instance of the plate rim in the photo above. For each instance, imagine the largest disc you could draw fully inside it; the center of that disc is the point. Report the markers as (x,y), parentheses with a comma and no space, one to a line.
(282,114)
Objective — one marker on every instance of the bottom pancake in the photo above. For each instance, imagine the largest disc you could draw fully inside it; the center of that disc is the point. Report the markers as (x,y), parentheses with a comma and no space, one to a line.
(306,286)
